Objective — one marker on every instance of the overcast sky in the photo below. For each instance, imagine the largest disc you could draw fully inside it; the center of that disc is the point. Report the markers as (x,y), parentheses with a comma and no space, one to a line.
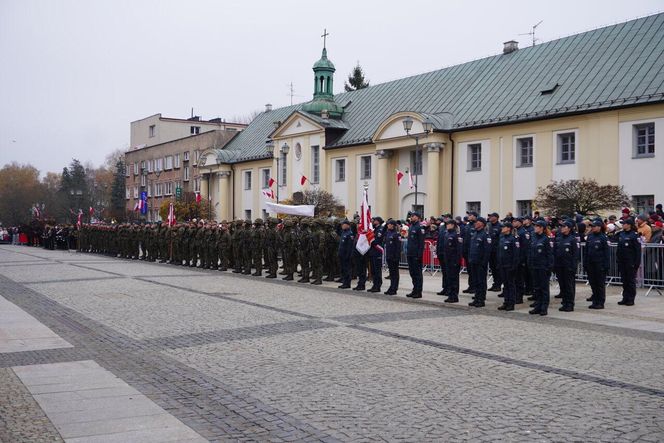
(74,74)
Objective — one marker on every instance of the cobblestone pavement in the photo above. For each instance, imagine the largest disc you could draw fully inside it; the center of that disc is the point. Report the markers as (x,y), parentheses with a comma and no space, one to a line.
(237,358)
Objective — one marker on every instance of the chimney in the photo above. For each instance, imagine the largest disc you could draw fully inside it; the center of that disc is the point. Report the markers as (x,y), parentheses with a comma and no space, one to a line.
(510,46)
(268,107)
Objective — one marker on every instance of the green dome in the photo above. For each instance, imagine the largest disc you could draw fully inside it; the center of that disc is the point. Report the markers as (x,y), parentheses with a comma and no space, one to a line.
(317,106)
(324,62)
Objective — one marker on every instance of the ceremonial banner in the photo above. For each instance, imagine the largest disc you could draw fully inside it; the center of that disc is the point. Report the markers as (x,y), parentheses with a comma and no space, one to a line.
(302,210)
(365,233)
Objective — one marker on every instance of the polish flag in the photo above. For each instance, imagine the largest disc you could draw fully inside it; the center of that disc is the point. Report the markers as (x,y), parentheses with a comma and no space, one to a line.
(303,179)
(272,194)
(199,197)
(268,193)
(271,182)
(411,184)
(171,215)
(365,233)
(137,206)
(79,220)
(91,211)
(399,177)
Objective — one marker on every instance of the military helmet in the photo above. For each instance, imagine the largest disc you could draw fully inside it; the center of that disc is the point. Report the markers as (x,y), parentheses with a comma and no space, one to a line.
(258,222)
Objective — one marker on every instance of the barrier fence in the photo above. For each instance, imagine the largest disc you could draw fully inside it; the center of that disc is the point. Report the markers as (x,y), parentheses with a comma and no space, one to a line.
(650,275)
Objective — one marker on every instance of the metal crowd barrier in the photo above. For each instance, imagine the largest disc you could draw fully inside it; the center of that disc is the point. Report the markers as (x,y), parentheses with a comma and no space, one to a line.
(650,275)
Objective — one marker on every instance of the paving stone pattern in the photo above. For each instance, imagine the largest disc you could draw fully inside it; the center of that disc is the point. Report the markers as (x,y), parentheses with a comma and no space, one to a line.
(243,359)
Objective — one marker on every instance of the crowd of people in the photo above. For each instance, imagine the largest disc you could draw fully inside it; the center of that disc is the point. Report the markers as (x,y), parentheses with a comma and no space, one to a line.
(519,253)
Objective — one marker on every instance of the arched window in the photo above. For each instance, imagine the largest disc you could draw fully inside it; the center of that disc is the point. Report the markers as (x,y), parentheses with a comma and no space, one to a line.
(329,85)
(322,84)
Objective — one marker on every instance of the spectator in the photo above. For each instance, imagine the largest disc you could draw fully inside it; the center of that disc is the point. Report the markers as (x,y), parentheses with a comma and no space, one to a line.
(658,211)
(643,228)
(657,230)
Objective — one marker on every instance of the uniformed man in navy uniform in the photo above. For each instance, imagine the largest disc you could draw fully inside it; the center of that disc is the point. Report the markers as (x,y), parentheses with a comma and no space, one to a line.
(565,263)
(451,252)
(468,233)
(596,263)
(540,263)
(375,255)
(493,228)
(508,256)
(521,271)
(479,252)
(629,260)
(392,255)
(414,251)
(346,247)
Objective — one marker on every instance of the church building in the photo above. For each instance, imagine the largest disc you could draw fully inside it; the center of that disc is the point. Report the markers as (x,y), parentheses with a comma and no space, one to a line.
(482,135)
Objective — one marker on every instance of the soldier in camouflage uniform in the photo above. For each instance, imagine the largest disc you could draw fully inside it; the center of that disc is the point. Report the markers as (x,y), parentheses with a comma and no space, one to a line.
(193,248)
(199,241)
(238,235)
(289,251)
(317,251)
(304,249)
(257,240)
(182,246)
(271,245)
(174,245)
(213,247)
(224,246)
(246,248)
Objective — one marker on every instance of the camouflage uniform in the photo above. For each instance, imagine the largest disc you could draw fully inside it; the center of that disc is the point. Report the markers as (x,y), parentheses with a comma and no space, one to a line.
(271,245)
(257,241)
(304,249)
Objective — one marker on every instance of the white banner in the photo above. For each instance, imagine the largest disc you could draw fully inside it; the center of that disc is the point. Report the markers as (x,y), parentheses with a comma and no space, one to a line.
(302,210)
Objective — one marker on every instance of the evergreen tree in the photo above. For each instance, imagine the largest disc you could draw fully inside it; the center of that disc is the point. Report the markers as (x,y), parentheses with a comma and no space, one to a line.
(356,79)
(118,191)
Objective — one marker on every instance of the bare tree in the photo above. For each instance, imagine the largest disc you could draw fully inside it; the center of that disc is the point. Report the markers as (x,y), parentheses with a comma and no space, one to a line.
(246,118)
(585,197)
(325,203)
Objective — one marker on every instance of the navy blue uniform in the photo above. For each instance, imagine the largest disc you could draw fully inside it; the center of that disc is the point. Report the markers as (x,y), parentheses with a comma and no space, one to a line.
(414,251)
(450,251)
(629,260)
(479,252)
(346,248)
(375,256)
(508,257)
(468,234)
(540,262)
(565,261)
(528,278)
(392,257)
(494,232)
(522,269)
(596,264)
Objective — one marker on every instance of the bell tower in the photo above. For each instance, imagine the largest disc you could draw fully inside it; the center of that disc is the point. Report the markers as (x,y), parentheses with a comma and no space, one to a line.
(324,86)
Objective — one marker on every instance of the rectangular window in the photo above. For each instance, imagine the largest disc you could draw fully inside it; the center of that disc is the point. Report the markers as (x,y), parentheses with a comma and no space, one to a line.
(135,191)
(176,163)
(185,175)
(159,164)
(284,170)
(127,192)
(475,157)
(340,170)
(142,165)
(150,165)
(127,171)
(524,207)
(149,190)
(247,180)
(197,184)
(365,167)
(143,180)
(524,152)
(265,214)
(169,162)
(474,207)
(169,188)
(416,162)
(644,140)
(195,130)
(157,189)
(417,208)
(315,164)
(152,131)
(566,147)
(247,214)
(644,203)
(265,178)
(135,168)
(196,155)
(185,156)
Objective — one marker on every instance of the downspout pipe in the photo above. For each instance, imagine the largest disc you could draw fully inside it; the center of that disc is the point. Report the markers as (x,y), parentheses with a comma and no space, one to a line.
(452,174)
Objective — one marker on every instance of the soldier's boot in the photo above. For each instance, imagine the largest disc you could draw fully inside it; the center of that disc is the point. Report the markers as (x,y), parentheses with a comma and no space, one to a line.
(258,273)
(317,281)
(329,278)
(271,275)
(305,276)
(288,277)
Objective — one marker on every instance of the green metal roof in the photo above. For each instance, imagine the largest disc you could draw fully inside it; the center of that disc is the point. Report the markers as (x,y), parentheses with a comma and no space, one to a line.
(616,66)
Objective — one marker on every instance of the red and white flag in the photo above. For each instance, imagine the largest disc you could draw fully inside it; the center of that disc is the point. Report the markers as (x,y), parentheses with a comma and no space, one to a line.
(411,184)
(303,179)
(399,177)
(137,206)
(365,233)
(171,215)
(79,220)
(268,193)
(199,197)
(91,211)
(271,182)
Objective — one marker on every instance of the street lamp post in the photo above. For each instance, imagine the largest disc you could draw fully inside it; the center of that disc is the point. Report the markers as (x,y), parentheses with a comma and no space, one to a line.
(269,146)
(427,126)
